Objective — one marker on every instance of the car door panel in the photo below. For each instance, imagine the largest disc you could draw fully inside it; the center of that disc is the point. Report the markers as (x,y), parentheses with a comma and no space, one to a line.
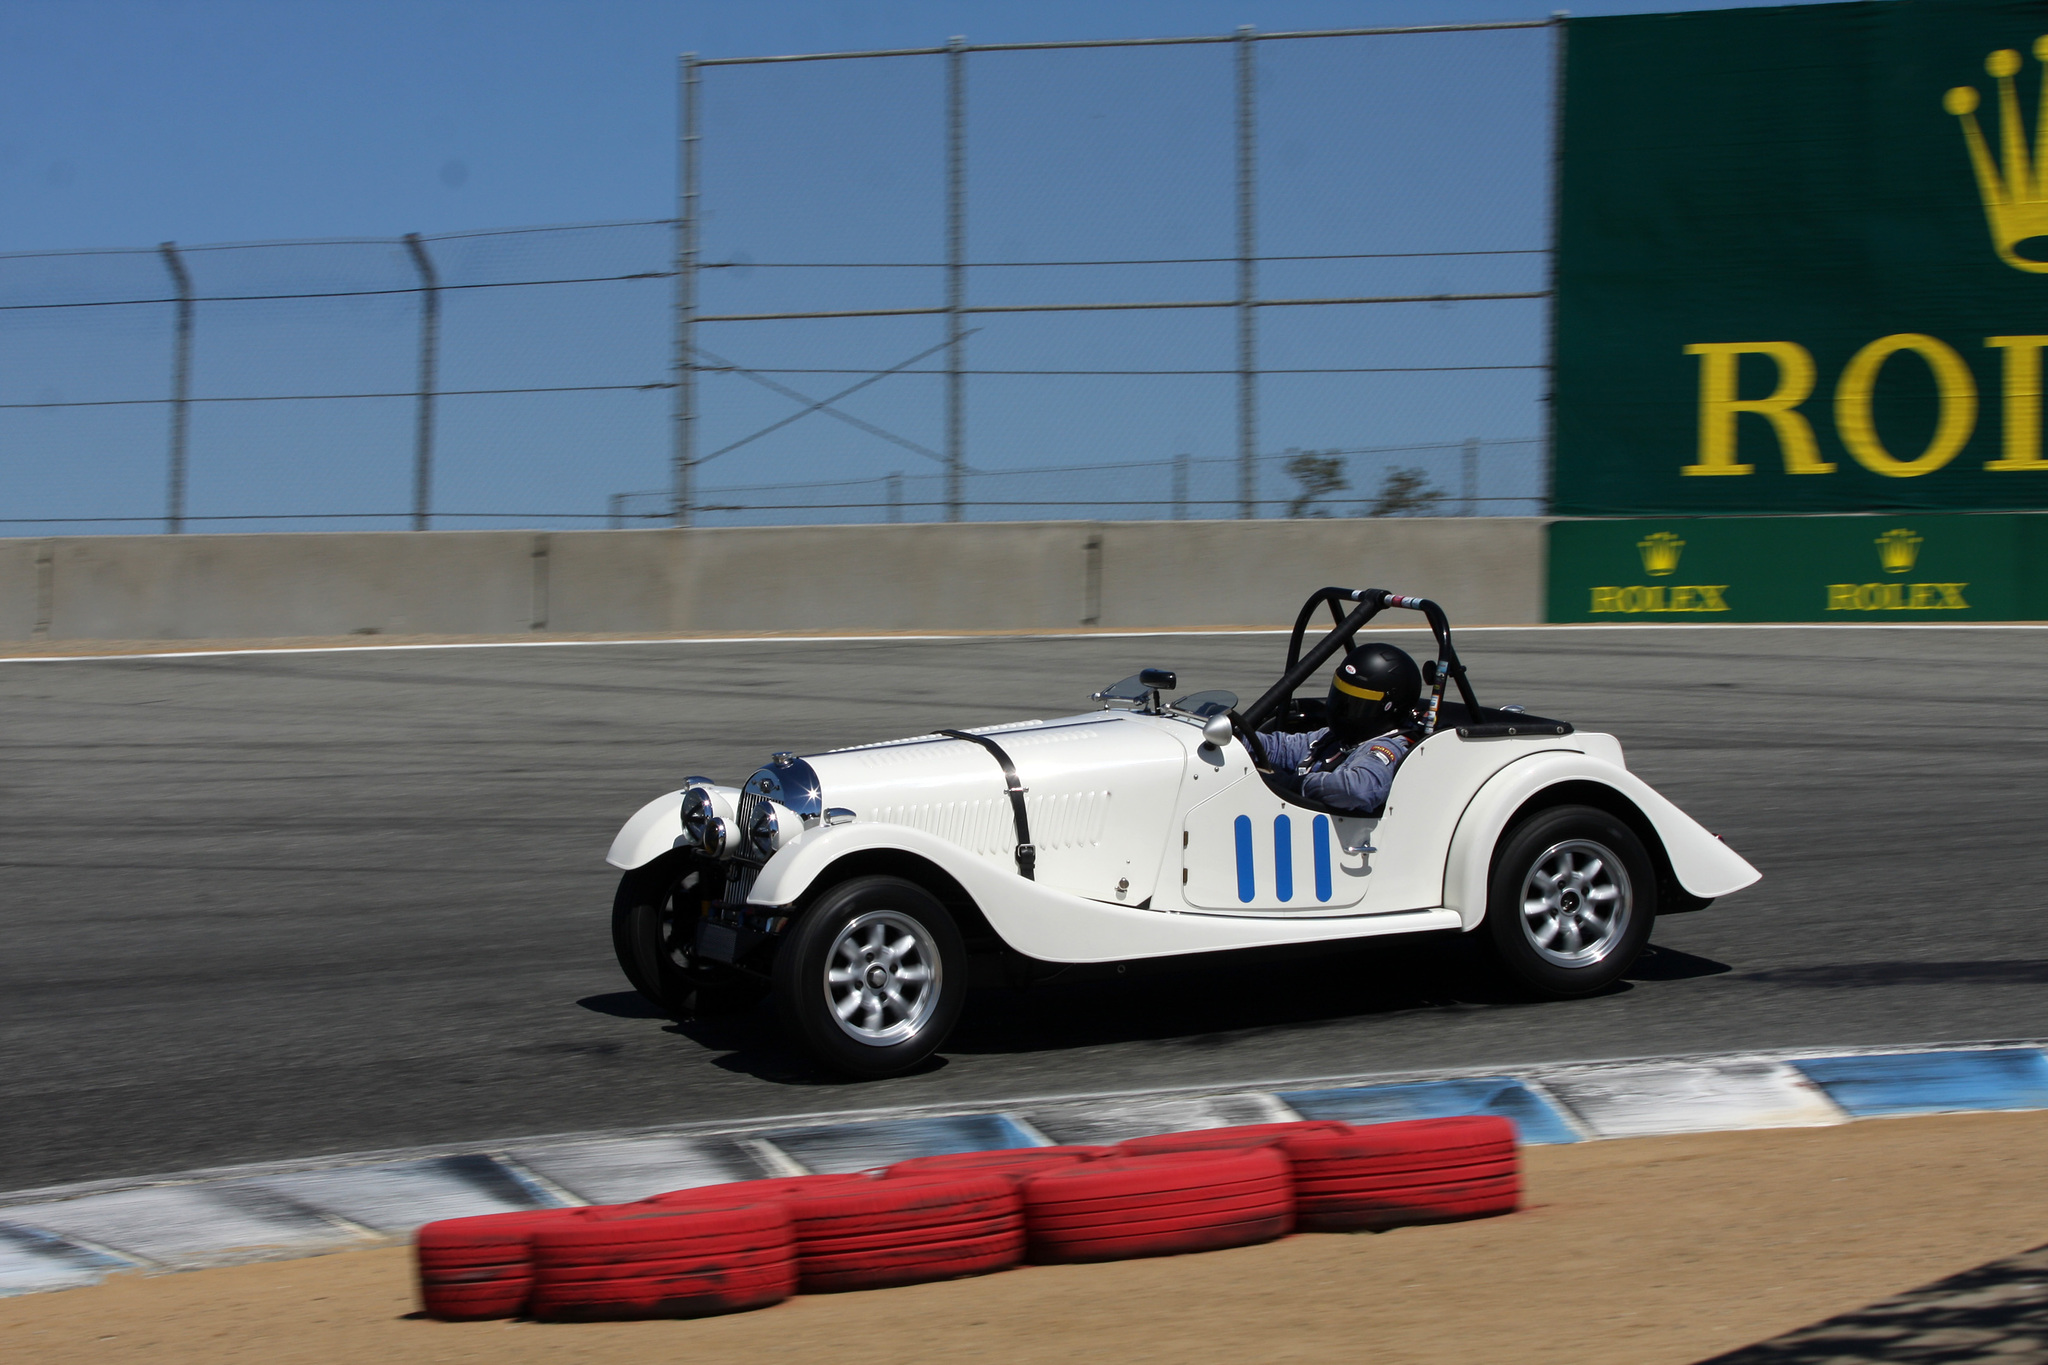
(1247,849)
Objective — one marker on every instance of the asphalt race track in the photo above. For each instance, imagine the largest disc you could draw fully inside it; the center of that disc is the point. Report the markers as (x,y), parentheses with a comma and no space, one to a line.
(275,905)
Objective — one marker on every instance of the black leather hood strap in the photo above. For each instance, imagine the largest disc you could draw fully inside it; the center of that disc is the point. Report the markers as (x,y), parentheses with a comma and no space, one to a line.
(1027,856)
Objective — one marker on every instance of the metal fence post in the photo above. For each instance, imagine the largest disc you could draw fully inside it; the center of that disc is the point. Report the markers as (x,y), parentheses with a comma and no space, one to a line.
(430,345)
(1557,55)
(1471,480)
(956,277)
(893,493)
(1180,488)
(1247,337)
(181,389)
(685,457)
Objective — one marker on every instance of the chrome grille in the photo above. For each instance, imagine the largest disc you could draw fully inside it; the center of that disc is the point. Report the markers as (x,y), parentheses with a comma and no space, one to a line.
(742,846)
(739,884)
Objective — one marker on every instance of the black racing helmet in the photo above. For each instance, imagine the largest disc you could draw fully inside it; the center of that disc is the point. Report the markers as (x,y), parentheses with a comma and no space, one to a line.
(1374,691)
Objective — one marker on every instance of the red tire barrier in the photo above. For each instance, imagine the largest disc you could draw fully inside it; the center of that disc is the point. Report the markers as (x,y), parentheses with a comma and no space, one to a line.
(1015,1162)
(1158,1205)
(1473,1133)
(747,1244)
(644,1261)
(750,1191)
(1390,1174)
(481,1266)
(1227,1139)
(929,1226)
(915,1263)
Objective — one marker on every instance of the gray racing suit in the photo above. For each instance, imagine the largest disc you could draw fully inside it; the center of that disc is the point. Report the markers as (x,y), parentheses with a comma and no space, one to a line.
(1351,777)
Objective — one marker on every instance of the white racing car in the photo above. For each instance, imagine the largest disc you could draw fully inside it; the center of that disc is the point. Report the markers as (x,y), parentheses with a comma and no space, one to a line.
(867,887)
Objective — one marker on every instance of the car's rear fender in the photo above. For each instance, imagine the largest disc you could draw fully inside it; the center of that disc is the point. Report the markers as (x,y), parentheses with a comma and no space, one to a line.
(1697,860)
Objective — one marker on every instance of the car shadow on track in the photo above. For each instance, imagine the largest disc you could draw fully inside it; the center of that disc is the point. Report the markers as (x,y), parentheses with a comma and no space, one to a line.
(1206,1005)
(1861,975)
(1213,1003)
(623,1005)
(1669,964)
(753,1045)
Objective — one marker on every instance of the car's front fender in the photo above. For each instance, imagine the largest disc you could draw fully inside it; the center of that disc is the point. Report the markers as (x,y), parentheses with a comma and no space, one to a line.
(790,873)
(1703,864)
(651,832)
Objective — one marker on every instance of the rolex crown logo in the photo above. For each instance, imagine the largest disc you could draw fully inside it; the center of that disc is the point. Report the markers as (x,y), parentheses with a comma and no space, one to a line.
(1897,550)
(2015,197)
(1660,551)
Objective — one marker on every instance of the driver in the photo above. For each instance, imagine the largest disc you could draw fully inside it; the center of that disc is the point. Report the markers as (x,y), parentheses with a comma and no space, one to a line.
(1350,765)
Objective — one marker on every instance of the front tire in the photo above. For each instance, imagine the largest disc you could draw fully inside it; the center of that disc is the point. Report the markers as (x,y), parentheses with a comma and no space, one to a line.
(654,928)
(1571,902)
(873,977)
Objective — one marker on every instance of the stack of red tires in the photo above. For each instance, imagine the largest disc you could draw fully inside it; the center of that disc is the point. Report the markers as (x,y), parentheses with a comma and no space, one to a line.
(748,1244)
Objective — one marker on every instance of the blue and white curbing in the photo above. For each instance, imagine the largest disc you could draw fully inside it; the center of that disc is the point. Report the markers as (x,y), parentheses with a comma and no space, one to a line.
(66,1236)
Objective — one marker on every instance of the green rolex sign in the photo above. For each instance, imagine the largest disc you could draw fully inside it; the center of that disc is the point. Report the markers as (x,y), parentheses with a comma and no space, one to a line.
(1803,261)
(1889,568)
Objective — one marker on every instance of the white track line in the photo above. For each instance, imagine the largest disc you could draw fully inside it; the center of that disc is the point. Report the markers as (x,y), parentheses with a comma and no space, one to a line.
(1047,635)
(658,640)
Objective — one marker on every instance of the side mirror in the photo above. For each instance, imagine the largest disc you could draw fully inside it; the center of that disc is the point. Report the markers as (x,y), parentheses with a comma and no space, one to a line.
(1216,731)
(1162,679)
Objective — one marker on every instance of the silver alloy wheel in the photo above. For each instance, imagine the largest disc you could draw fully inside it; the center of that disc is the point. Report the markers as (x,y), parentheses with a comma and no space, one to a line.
(882,978)
(1576,902)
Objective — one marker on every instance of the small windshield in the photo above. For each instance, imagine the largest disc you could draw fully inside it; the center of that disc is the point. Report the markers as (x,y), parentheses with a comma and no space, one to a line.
(1130,689)
(1206,704)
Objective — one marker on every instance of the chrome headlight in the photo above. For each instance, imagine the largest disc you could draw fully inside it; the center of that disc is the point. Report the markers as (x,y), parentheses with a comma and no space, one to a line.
(717,837)
(769,826)
(765,831)
(697,812)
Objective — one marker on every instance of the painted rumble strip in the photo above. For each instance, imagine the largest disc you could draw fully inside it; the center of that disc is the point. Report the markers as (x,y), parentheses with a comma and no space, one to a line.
(68,1236)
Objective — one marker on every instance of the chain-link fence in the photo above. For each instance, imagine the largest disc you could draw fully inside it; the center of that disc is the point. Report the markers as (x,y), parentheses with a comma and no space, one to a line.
(1440,480)
(1241,275)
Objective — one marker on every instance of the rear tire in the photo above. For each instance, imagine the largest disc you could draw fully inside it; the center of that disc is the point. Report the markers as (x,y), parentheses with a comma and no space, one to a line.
(1572,901)
(872,978)
(654,928)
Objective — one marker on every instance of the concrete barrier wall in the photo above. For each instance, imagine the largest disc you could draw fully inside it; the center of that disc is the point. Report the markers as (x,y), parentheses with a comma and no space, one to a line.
(1000,576)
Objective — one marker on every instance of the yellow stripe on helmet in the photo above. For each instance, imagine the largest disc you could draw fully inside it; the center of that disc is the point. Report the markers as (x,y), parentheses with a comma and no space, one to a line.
(1353,690)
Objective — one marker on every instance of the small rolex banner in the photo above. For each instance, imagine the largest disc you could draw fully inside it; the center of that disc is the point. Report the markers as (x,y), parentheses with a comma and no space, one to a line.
(1803,260)
(1889,567)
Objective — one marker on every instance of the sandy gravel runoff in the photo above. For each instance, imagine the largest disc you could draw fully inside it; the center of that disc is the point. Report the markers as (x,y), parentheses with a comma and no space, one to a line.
(1641,1252)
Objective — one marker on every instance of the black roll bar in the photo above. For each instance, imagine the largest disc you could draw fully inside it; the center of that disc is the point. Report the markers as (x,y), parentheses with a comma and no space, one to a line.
(1371,602)
(1331,595)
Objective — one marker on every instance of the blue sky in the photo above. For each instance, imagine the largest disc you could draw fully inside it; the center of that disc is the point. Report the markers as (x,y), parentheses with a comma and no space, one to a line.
(125,123)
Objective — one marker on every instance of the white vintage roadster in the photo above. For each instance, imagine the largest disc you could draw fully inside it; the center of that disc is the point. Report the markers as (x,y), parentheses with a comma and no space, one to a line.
(868,886)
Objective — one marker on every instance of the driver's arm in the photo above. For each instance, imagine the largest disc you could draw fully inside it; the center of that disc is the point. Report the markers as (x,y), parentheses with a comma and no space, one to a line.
(1360,783)
(1285,752)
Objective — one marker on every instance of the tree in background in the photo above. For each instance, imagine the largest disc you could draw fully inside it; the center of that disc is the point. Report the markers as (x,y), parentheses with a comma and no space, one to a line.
(1319,473)
(1406,492)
